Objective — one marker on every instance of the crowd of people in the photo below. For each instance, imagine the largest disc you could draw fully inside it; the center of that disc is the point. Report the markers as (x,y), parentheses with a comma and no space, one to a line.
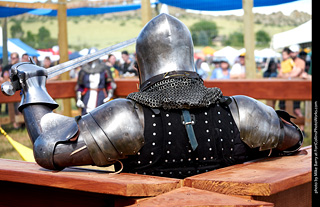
(95,80)
(293,64)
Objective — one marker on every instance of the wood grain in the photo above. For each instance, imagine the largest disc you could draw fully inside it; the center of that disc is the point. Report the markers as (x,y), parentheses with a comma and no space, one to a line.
(259,178)
(194,197)
(85,180)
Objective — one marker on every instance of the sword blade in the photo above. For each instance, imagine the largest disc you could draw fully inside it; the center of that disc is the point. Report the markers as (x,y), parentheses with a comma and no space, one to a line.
(71,64)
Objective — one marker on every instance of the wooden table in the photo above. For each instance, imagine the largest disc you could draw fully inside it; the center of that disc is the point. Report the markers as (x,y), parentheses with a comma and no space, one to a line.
(278,181)
(19,179)
(285,181)
(194,197)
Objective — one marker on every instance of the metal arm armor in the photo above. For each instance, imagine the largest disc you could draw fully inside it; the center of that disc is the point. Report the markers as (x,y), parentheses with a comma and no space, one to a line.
(108,133)
(113,130)
(261,126)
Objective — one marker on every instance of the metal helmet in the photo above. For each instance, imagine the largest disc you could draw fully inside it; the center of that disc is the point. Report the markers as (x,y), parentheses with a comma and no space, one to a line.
(164,46)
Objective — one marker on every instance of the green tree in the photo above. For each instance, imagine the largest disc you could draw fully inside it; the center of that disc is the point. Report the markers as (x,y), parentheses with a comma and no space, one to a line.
(262,38)
(43,34)
(203,39)
(198,29)
(30,39)
(16,30)
(235,39)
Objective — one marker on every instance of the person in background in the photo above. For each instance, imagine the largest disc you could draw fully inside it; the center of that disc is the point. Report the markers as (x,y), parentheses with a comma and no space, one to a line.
(127,68)
(111,66)
(223,72)
(25,57)
(95,86)
(238,70)
(287,64)
(202,67)
(36,61)
(47,64)
(271,71)
(14,58)
(5,75)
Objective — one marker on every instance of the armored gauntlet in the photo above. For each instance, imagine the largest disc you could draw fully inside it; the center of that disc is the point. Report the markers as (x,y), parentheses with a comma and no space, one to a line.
(261,126)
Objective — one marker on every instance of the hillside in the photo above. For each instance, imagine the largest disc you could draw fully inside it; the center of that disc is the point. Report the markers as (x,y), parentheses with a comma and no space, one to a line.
(103,30)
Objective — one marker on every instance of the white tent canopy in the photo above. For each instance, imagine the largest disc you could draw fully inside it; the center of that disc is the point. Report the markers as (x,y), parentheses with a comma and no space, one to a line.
(228,52)
(298,35)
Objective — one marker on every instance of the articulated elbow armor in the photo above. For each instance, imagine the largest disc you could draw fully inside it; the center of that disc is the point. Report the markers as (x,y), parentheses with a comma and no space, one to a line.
(261,126)
(113,131)
(110,132)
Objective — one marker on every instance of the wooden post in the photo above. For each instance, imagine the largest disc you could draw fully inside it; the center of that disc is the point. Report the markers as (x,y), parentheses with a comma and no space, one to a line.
(4,42)
(145,11)
(63,48)
(249,38)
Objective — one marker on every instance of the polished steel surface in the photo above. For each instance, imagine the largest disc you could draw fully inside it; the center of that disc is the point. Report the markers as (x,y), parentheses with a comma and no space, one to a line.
(259,124)
(122,122)
(164,45)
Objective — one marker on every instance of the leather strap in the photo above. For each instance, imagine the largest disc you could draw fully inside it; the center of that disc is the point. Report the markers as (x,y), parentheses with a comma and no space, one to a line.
(188,124)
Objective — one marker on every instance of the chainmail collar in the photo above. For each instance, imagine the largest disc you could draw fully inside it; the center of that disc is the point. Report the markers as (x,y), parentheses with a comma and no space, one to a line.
(177,93)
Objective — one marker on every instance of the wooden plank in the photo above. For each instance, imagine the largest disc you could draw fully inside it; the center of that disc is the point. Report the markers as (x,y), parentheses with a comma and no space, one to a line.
(259,178)
(194,197)
(35,5)
(275,89)
(296,196)
(123,184)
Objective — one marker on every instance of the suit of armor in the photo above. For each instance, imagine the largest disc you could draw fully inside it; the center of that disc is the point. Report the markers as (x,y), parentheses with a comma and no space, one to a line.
(95,86)
(174,126)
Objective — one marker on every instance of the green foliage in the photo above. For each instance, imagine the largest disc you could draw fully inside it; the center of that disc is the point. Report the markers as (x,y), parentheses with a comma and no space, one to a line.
(203,38)
(235,39)
(16,30)
(203,32)
(41,40)
(262,38)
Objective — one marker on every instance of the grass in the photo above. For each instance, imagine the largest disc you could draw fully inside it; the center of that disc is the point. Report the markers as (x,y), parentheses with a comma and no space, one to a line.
(101,31)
